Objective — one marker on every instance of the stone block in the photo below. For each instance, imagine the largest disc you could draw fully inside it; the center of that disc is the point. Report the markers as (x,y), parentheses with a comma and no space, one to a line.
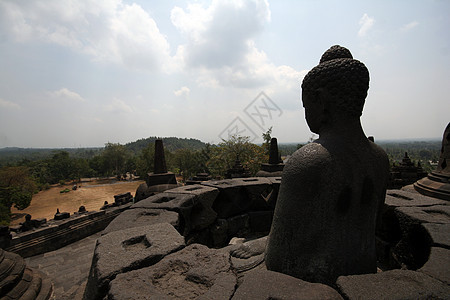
(438,265)
(238,225)
(142,192)
(394,284)
(196,272)
(439,233)
(129,249)
(141,217)
(264,284)
(415,244)
(398,198)
(219,233)
(194,208)
(240,195)
(431,214)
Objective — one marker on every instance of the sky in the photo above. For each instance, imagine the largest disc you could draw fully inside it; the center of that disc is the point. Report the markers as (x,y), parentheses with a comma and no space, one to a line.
(78,73)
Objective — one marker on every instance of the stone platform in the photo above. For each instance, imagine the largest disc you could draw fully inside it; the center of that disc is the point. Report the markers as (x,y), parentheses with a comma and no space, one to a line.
(413,246)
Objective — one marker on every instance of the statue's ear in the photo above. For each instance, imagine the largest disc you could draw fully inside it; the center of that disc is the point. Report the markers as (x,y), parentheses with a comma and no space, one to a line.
(322,98)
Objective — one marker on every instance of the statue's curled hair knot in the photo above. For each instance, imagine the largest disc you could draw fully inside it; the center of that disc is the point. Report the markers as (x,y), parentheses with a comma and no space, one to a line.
(345,78)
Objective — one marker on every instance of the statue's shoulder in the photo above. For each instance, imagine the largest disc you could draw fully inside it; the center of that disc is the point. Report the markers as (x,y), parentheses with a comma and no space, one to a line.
(379,152)
(310,156)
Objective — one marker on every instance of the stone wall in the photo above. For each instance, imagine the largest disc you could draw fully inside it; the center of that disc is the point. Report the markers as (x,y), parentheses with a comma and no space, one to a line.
(171,246)
(57,234)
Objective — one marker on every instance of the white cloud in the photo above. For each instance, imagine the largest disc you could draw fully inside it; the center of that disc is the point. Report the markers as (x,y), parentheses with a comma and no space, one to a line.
(8,104)
(184,91)
(409,26)
(66,94)
(119,106)
(219,35)
(108,31)
(220,48)
(366,23)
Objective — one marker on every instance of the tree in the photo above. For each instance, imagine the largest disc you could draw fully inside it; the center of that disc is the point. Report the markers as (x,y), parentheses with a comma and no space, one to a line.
(16,188)
(60,166)
(114,158)
(224,155)
(145,161)
(267,137)
(189,162)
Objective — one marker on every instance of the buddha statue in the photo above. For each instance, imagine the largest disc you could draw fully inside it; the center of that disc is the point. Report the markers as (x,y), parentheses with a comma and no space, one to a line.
(333,188)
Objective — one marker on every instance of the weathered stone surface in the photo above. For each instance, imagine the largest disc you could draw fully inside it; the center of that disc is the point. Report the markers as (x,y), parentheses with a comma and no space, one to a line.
(432,214)
(11,270)
(195,211)
(439,233)
(246,256)
(142,192)
(263,284)
(438,265)
(394,284)
(398,198)
(20,282)
(437,183)
(195,272)
(159,159)
(141,217)
(129,249)
(332,189)
(238,225)
(240,195)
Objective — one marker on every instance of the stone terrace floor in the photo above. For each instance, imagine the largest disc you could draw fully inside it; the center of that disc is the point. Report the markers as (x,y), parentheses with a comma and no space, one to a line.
(68,267)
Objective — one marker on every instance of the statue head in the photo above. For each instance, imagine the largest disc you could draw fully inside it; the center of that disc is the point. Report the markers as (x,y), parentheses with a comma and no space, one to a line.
(337,86)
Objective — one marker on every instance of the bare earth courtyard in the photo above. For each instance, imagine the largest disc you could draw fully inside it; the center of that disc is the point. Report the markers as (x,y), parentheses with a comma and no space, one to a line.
(91,195)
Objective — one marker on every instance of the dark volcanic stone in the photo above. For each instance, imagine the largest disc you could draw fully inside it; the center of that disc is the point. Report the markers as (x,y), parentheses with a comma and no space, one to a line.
(332,188)
(263,284)
(431,214)
(195,272)
(397,198)
(140,217)
(142,192)
(160,160)
(439,233)
(240,195)
(438,264)
(395,284)
(194,209)
(124,250)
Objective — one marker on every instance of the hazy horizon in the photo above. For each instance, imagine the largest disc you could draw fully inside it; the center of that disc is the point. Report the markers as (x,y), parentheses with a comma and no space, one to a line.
(83,73)
(435,139)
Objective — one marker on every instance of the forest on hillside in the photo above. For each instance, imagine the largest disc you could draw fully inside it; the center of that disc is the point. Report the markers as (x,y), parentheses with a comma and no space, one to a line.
(26,171)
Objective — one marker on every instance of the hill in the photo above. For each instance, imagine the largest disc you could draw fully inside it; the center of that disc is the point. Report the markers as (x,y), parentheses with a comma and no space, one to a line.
(12,155)
(170,143)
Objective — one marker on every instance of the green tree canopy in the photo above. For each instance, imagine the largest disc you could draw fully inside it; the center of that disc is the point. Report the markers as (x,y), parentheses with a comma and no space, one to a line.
(16,188)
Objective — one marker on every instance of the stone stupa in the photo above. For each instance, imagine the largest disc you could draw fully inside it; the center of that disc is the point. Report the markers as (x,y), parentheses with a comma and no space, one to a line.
(275,166)
(437,183)
(160,180)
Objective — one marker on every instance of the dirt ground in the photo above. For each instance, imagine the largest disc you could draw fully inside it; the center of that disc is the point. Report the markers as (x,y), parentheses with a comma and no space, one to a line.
(91,194)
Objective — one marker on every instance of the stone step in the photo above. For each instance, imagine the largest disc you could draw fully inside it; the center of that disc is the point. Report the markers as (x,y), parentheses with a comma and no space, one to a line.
(46,290)
(2,255)
(6,266)
(29,284)
(15,273)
